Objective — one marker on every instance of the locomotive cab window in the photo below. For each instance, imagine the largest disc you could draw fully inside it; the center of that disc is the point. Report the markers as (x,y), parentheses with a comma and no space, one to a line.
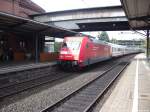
(74,45)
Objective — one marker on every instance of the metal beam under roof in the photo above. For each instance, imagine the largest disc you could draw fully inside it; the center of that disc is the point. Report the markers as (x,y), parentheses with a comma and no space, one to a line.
(138,13)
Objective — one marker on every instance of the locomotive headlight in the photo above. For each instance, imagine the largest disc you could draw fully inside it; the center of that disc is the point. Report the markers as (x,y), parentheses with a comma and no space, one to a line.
(63,52)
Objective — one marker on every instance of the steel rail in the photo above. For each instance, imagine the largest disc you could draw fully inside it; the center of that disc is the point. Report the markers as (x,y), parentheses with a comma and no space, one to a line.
(105,90)
(23,81)
(6,89)
(77,91)
(13,89)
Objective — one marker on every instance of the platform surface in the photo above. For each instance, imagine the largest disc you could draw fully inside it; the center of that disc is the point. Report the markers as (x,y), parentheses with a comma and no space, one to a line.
(132,92)
(23,66)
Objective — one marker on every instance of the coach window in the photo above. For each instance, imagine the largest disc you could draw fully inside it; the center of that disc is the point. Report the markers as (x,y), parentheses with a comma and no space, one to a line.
(113,49)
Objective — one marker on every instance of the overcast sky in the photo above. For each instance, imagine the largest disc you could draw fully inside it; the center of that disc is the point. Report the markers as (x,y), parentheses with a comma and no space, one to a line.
(57,5)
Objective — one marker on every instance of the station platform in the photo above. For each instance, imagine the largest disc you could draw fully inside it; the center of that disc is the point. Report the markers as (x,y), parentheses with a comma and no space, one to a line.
(132,92)
(16,67)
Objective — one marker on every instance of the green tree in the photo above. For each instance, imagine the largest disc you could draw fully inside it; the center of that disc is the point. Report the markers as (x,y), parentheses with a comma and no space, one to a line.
(103,36)
(57,46)
(113,40)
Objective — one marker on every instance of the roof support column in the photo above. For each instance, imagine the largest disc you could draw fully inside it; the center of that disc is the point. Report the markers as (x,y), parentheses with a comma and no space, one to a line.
(148,51)
(36,48)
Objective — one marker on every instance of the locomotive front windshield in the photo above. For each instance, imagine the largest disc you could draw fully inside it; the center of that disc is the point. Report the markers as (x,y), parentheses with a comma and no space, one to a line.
(73,45)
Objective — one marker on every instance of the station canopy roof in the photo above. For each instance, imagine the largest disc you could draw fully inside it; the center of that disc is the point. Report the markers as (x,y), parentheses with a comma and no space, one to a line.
(20,25)
(138,13)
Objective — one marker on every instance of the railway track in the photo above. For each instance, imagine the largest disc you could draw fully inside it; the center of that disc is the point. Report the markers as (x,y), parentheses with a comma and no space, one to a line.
(84,98)
(36,79)
(30,80)
(26,75)
(11,84)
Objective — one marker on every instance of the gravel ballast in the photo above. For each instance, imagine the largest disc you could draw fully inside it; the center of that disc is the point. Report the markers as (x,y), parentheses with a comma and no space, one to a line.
(37,99)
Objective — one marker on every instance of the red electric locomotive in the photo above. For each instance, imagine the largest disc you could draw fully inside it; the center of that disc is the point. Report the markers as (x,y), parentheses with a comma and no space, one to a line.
(82,51)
